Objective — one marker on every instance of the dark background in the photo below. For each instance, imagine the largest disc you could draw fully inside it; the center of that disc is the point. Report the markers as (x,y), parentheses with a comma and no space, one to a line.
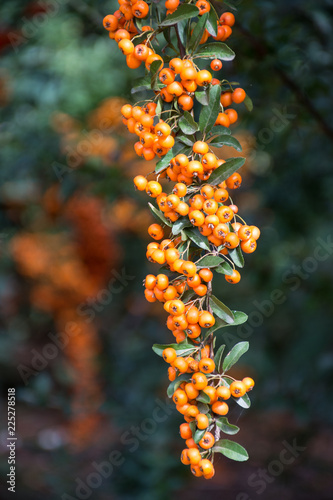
(70,221)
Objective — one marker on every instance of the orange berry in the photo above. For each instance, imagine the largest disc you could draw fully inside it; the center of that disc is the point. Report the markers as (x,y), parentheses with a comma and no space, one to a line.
(206,319)
(185,431)
(249,383)
(223,393)
(169,355)
(206,275)
(207,441)
(220,408)
(202,421)
(237,389)
(206,365)
(216,64)
(199,381)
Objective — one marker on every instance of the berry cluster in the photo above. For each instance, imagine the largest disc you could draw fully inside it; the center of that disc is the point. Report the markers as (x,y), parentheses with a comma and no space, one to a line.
(187,118)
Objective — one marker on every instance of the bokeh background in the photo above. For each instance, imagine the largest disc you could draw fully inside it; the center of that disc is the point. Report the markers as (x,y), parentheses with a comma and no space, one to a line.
(76,332)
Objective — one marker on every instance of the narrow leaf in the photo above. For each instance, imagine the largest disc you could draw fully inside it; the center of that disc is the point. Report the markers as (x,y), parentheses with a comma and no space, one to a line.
(219,130)
(164,162)
(187,124)
(221,310)
(203,398)
(197,33)
(176,383)
(209,113)
(209,261)
(184,11)
(203,408)
(226,427)
(216,50)
(219,323)
(202,97)
(159,215)
(233,356)
(240,318)
(197,238)
(180,224)
(224,268)
(181,349)
(248,103)
(226,140)
(199,434)
(237,257)
(231,450)
(212,21)
(226,170)
(218,357)
(186,140)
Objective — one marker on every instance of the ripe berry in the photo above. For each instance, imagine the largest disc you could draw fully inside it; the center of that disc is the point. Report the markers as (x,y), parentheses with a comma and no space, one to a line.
(169,355)
(207,441)
(237,389)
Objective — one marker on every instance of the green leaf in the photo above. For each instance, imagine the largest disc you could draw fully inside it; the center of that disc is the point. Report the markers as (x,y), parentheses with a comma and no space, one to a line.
(187,124)
(219,130)
(140,38)
(209,113)
(237,257)
(197,238)
(141,84)
(233,356)
(209,261)
(159,215)
(212,21)
(179,225)
(221,310)
(248,103)
(181,349)
(224,424)
(182,29)
(224,268)
(197,34)
(225,170)
(218,357)
(159,107)
(240,318)
(231,450)
(184,11)
(184,377)
(216,50)
(203,408)
(154,70)
(226,140)
(179,148)
(219,323)
(244,401)
(199,434)
(186,140)
(193,427)
(203,398)
(187,295)
(164,162)
(202,97)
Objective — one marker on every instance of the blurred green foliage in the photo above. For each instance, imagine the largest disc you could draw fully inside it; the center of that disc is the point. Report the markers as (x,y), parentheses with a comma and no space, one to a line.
(68,64)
